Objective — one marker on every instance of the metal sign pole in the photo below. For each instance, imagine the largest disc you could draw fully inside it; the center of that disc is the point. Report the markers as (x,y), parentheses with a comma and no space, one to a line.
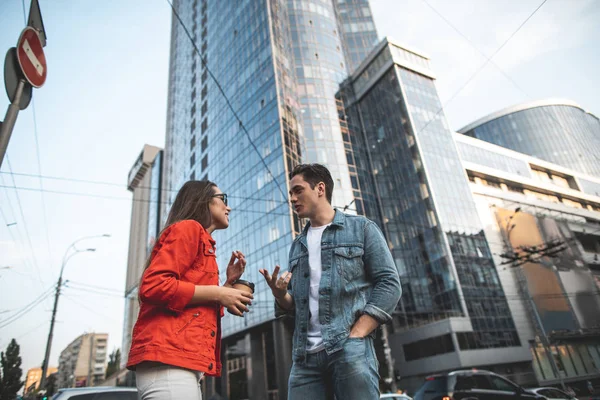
(9,121)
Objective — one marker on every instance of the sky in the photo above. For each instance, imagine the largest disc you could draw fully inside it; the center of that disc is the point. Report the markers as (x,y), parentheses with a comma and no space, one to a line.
(106,95)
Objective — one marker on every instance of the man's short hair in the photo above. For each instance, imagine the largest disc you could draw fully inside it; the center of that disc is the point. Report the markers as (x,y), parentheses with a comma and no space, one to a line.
(313,174)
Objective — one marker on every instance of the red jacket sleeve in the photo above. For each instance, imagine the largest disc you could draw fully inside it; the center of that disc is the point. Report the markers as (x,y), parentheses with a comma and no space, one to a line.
(161,282)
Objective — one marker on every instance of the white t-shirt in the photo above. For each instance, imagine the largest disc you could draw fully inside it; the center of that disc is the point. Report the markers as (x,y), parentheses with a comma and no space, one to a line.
(314,335)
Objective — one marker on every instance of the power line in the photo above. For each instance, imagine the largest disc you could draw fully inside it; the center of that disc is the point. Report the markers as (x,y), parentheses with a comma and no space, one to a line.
(39,165)
(24,224)
(120,185)
(72,298)
(133,200)
(121,292)
(25,310)
(227,101)
(488,60)
(514,83)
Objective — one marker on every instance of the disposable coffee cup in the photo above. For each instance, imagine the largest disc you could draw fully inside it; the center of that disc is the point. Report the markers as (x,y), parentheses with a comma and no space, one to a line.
(244,286)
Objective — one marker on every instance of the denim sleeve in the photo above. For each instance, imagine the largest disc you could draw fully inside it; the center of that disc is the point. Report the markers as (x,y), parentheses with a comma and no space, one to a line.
(383,273)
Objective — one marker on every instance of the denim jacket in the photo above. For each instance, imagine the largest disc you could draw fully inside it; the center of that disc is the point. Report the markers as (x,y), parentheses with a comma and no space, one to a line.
(358,277)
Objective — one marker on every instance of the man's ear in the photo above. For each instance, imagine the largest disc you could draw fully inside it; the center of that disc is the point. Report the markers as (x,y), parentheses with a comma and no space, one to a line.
(321,188)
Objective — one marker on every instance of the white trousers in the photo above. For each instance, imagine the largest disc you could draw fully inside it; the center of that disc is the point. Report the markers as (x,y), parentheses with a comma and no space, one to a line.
(166,382)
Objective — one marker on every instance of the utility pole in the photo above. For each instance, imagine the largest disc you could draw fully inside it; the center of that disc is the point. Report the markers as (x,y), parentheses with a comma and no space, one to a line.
(50,334)
(66,258)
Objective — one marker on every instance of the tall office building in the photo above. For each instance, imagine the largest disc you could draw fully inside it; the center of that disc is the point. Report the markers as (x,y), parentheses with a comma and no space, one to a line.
(278,65)
(453,312)
(558,131)
(144,181)
(82,362)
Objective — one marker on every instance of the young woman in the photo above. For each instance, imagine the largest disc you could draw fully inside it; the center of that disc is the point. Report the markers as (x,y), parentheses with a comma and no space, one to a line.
(177,336)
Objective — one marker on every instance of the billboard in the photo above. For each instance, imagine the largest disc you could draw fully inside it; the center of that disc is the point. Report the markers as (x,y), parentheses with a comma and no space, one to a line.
(560,283)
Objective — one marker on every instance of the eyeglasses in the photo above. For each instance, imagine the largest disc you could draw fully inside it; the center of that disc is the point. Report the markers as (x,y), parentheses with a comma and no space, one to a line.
(222,196)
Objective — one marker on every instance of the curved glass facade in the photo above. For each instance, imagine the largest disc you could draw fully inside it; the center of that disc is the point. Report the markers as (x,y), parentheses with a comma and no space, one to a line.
(559,133)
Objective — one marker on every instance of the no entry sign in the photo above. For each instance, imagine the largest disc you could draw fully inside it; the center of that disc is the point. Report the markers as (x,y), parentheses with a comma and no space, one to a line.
(32,60)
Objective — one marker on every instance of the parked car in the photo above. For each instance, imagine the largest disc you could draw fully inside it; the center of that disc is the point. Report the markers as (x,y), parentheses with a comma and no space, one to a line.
(551,393)
(472,385)
(97,393)
(395,396)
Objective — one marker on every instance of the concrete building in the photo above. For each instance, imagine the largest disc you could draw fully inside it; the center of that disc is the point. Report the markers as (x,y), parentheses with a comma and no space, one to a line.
(83,361)
(32,380)
(555,130)
(542,223)
(144,181)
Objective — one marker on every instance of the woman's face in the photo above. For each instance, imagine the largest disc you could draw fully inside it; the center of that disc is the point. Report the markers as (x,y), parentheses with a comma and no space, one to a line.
(219,211)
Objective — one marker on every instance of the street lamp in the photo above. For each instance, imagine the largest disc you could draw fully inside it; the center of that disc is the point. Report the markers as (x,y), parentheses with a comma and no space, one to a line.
(66,258)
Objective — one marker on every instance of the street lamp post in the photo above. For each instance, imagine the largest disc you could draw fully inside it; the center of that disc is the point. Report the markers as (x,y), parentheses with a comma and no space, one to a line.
(66,258)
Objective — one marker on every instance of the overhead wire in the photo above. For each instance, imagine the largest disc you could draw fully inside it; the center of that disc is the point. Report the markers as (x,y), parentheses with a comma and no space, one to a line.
(488,60)
(26,309)
(225,97)
(129,199)
(512,81)
(120,185)
(27,234)
(38,159)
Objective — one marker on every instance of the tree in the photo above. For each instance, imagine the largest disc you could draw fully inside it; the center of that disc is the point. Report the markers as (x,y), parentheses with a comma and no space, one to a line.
(114,362)
(11,381)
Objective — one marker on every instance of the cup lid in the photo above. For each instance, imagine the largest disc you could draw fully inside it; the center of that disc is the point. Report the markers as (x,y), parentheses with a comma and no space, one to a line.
(247,283)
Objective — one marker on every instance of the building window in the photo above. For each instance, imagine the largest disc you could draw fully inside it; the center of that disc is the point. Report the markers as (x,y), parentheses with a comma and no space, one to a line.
(428,347)
(192,160)
(193,143)
(205,162)
(204,144)
(204,126)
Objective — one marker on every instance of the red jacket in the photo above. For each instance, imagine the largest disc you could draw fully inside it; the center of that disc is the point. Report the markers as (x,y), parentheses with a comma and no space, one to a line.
(168,330)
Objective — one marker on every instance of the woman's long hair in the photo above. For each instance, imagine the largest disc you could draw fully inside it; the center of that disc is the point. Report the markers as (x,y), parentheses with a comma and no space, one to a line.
(192,202)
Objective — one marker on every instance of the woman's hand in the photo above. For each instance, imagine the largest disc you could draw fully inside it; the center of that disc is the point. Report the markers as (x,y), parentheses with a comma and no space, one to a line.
(236,301)
(278,286)
(236,267)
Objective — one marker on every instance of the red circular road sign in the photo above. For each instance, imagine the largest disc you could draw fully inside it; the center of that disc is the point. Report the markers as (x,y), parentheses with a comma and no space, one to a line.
(30,54)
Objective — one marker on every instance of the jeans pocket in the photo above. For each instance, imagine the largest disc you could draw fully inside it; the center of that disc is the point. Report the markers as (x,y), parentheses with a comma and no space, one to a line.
(354,348)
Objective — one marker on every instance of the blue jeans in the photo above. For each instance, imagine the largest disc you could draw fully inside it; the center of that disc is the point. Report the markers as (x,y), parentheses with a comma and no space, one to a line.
(350,373)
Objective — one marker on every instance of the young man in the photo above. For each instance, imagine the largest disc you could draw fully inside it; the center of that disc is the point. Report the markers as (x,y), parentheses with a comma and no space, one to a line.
(341,284)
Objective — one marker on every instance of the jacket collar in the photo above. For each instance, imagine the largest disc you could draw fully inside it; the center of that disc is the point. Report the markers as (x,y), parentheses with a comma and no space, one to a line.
(339,219)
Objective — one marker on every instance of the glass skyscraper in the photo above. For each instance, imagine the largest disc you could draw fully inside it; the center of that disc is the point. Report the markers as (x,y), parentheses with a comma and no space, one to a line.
(558,131)
(277,65)
(411,181)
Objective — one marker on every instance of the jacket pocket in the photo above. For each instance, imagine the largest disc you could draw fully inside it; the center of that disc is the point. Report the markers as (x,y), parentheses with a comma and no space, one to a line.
(188,323)
(349,262)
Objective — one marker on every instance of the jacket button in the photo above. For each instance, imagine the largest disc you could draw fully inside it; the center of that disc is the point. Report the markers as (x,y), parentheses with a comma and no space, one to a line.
(195,315)
(213,334)
(210,366)
(306,274)
(301,358)
(303,329)
(211,251)
(304,301)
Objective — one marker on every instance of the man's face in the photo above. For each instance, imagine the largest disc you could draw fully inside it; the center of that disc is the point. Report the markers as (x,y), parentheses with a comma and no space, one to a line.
(305,199)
